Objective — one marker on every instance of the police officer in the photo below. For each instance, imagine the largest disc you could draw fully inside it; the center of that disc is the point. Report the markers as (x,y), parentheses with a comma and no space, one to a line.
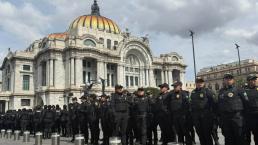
(48,119)
(152,121)
(252,106)
(57,126)
(83,121)
(120,107)
(65,121)
(24,120)
(74,118)
(93,116)
(162,113)
(202,105)
(178,107)
(106,117)
(230,108)
(140,111)
(37,118)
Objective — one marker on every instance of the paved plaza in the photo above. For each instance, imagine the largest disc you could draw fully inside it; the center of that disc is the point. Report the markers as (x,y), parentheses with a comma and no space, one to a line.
(66,141)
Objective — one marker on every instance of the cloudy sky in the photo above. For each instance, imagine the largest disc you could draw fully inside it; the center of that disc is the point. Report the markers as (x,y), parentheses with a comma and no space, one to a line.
(218,24)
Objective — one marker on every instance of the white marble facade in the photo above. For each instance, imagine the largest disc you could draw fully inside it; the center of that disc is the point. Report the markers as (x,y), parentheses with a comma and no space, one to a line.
(61,63)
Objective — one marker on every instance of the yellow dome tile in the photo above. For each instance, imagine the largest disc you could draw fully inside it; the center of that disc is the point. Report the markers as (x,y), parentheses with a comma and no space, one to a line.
(100,23)
(94,22)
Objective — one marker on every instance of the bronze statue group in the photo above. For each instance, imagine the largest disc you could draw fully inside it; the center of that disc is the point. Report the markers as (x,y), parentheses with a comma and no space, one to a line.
(135,117)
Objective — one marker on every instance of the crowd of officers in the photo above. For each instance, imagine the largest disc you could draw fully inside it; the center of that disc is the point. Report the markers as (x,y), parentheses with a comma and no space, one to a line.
(135,117)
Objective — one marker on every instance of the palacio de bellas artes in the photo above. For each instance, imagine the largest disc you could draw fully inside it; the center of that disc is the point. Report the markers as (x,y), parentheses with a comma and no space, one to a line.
(92,47)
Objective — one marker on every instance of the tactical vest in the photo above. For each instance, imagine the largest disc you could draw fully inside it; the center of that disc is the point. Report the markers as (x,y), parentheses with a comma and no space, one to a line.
(199,100)
(121,104)
(230,101)
(141,105)
(176,102)
(252,94)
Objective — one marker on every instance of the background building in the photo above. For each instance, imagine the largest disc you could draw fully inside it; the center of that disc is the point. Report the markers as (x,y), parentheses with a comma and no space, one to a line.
(190,86)
(213,76)
(58,65)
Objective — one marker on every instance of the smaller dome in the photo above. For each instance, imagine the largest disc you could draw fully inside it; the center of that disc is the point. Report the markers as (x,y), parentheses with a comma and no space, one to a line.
(57,35)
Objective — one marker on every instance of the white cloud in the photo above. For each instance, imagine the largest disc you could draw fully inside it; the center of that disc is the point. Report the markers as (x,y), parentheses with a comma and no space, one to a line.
(24,22)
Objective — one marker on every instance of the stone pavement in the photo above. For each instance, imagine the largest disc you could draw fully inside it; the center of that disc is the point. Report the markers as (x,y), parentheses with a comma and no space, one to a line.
(65,141)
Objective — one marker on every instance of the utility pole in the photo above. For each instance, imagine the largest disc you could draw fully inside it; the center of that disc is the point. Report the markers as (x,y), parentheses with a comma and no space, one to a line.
(192,35)
(239,60)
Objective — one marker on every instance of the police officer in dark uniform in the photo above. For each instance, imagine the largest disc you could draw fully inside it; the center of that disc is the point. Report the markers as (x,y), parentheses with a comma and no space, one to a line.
(65,121)
(230,108)
(48,119)
(120,107)
(152,122)
(202,105)
(57,119)
(24,120)
(178,107)
(252,107)
(162,113)
(140,111)
(106,117)
(74,118)
(2,117)
(83,121)
(93,116)
(37,119)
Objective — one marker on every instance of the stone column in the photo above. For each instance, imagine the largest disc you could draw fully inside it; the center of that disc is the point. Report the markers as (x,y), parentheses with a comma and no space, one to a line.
(170,77)
(39,76)
(152,79)
(120,75)
(6,105)
(147,77)
(78,72)
(51,74)
(71,71)
(162,77)
(182,78)
(47,73)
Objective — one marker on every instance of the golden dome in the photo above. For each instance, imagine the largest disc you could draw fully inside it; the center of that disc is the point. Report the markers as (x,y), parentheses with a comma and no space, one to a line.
(96,22)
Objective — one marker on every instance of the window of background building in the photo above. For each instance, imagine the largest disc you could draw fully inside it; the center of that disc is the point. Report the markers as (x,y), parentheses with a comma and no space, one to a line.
(131,81)
(89,77)
(25,102)
(26,67)
(108,80)
(84,77)
(112,80)
(8,85)
(89,43)
(108,43)
(88,64)
(127,81)
(44,74)
(101,40)
(136,81)
(115,44)
(26,82)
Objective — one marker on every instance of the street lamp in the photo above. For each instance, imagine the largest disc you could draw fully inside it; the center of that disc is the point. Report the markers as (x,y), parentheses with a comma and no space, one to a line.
(192,35)
(237,47)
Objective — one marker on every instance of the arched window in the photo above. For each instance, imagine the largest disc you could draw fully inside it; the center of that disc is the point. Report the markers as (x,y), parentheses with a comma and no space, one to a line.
(174,58)
(90,43)
(132,71)
(108,43)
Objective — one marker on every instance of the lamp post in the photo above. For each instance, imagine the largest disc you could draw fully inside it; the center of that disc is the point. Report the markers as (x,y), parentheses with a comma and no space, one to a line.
(192,35)
(239,60)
